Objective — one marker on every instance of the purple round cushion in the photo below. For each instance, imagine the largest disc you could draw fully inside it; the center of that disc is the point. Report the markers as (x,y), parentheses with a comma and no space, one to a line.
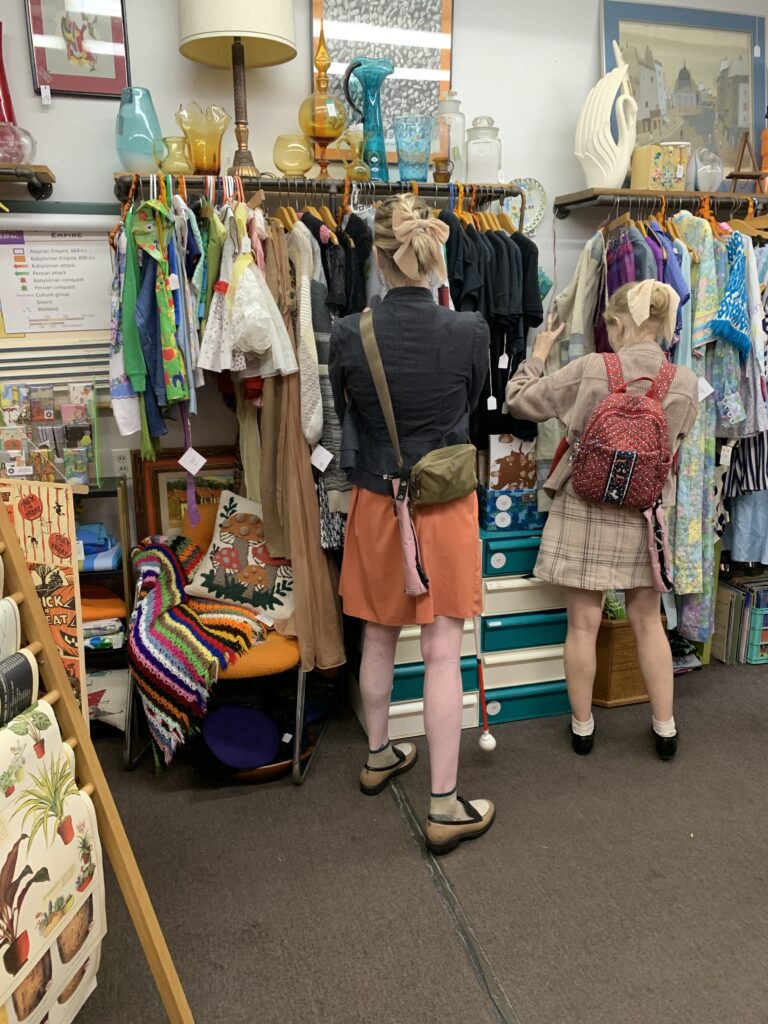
(241,738)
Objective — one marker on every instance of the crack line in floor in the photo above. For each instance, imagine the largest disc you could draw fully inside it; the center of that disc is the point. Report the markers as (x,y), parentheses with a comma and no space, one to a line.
(478,959)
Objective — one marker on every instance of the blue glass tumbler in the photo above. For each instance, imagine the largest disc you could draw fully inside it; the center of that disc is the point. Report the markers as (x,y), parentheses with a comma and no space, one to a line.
(413,139)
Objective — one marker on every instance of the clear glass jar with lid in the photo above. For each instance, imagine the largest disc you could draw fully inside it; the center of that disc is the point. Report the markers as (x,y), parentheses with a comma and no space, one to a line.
(450,134)
(483,152)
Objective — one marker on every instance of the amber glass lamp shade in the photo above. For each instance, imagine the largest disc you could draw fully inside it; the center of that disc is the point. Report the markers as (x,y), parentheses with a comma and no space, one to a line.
(322,117)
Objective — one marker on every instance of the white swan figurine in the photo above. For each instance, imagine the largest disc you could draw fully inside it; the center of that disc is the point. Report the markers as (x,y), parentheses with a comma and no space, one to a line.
(604,161)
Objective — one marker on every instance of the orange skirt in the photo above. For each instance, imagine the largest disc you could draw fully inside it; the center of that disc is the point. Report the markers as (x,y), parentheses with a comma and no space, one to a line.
(372,578)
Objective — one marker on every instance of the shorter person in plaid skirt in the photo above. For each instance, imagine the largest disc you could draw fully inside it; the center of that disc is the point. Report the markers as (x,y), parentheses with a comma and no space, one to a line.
(589,548)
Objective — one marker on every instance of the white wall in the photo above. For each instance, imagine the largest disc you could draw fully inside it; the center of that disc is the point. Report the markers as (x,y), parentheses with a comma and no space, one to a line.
(529,65)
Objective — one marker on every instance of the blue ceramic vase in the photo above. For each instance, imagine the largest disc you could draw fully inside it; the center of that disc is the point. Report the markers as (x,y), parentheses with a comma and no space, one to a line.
(137,133)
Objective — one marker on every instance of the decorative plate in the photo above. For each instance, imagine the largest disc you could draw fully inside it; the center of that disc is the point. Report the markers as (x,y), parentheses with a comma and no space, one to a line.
(535,203)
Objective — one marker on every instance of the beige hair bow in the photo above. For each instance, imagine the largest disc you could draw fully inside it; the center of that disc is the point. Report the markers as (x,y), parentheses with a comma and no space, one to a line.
(639,304)
(406,227)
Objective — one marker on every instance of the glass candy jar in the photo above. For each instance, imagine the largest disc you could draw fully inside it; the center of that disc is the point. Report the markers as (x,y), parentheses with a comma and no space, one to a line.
(483,152)
(450,134)
(204,130)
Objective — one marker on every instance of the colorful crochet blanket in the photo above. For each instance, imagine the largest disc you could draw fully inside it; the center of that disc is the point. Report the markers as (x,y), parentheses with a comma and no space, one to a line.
(177,644)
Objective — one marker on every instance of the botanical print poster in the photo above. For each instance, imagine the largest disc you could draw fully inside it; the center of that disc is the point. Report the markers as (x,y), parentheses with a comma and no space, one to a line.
(52,915)
(44,520)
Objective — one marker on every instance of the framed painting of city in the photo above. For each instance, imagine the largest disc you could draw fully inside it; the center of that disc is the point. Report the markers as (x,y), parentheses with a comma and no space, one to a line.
(698,76)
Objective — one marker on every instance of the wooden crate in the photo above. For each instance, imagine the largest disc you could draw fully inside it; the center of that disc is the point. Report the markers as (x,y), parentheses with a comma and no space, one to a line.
(617,680)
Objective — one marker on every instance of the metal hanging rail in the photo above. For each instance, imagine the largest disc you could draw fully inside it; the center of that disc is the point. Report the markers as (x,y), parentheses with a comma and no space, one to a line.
(621,198)
(333,188)
(38,179)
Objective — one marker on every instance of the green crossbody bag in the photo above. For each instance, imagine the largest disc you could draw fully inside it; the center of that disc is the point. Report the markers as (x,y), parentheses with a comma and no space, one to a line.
(442,475)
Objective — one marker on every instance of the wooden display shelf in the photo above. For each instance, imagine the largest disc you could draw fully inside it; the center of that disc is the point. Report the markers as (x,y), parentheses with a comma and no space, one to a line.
(623,197)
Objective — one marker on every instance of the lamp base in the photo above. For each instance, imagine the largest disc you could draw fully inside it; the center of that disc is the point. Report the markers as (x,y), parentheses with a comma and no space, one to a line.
(243,164)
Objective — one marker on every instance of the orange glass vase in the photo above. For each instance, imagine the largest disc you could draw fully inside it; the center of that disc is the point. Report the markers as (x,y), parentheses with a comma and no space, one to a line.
(204,130)
(322,117)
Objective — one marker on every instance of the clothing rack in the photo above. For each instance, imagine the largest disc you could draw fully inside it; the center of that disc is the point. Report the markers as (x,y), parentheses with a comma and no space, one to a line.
(36,635)
(335,189)
(650,201)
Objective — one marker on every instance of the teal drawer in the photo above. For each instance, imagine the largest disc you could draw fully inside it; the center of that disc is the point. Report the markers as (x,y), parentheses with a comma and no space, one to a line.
(409,680)
(513,632)
(509,554)
(520,702)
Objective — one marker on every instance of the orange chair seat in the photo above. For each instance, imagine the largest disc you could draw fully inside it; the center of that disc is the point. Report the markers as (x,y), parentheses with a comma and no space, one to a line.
(277,654)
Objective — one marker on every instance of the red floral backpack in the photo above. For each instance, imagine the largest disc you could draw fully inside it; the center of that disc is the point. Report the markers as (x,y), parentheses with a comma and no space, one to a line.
(624,455)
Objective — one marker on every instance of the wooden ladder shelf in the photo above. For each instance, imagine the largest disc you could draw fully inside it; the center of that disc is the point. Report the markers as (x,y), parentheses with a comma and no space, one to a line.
(36,635)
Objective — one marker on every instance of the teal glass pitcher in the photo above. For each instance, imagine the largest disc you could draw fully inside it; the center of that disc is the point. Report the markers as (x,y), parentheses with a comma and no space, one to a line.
(370,74)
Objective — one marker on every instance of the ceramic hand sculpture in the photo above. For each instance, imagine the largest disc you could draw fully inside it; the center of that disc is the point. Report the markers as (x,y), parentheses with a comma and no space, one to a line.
(604,160)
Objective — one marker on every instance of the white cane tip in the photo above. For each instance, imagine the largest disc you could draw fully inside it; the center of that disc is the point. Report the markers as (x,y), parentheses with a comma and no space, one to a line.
(487,742)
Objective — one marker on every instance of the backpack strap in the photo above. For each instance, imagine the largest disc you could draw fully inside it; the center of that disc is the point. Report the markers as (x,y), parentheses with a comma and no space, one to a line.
(663,382)
(614,372)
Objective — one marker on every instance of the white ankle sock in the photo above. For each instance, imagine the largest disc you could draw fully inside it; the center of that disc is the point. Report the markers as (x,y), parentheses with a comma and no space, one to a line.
(582,728)
(446,807)
(664,728)
(384,757)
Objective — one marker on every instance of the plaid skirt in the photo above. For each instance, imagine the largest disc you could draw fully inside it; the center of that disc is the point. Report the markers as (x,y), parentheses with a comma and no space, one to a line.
(594,547)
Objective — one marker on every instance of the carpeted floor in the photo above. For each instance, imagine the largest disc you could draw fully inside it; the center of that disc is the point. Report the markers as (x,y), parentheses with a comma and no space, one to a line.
(612,889)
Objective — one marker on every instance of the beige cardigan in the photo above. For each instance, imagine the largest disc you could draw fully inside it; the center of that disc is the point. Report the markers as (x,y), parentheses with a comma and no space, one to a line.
(574,392)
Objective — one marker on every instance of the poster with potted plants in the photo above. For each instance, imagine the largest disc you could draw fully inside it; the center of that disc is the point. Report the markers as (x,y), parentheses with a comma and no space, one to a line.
(51,883)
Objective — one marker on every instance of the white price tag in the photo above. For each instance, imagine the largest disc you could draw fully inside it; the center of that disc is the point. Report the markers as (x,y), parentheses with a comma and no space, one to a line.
(492,404)
(266,620)
(504,503)
(493,707)
(192,461)
(321,458)
(705,389)
(725,454)
(80,551)
(505,408)
(680,172)
(503,361)
(503,520)
(287,737)
(245,244)
(498,561)
(45,95)
(173,282)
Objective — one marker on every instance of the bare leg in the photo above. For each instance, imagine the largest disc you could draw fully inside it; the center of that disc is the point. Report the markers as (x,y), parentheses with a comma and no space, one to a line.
(441,651)
(585,609)
(653,650)
(376,675)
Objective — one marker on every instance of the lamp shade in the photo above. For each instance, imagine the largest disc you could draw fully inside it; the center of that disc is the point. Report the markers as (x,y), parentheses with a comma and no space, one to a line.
(266,28)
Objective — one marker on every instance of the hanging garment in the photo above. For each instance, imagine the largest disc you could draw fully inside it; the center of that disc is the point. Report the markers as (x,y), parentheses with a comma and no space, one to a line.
(748,470)
(216,345)
(576,304)
(694,471)
(124,401)
(299,247)
(621,263)
(749,528)
(645,262)
(682,355)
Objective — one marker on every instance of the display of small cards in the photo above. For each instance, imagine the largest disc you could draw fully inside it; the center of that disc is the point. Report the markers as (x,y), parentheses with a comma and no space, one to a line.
(53,437)
(81,394)
(41,403)
(14,399)
(43,465)
(74,414)
(76,465)
(78,436)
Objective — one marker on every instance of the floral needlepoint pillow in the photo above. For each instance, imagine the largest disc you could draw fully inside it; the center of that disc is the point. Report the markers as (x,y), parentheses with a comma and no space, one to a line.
(238,568)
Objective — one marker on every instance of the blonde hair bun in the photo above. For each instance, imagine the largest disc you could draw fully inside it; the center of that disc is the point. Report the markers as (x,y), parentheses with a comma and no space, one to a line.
(659,301)
(427,250)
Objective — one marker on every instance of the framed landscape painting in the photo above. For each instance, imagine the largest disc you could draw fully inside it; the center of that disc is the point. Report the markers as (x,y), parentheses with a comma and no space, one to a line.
(698,76)
(160,488)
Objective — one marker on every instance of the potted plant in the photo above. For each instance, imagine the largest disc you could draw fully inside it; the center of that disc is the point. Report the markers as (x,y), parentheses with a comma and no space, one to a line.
(45,799)
(11,901)
(48,920)
(32,723)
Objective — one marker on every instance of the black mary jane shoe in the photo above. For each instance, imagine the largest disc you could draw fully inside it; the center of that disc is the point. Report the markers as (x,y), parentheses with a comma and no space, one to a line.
(582,745)
(666,746)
